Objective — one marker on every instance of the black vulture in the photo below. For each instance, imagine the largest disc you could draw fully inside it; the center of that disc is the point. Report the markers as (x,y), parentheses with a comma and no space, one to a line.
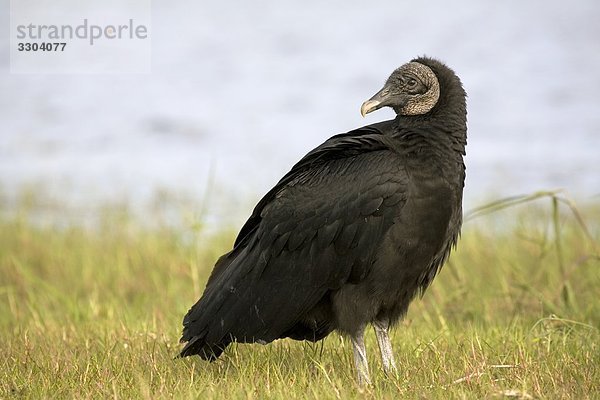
(352,233)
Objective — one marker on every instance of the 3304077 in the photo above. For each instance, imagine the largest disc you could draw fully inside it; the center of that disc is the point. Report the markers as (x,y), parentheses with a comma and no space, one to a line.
(44,46)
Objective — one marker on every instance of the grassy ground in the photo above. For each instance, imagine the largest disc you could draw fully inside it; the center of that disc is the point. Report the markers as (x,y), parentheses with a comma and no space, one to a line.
(96,313)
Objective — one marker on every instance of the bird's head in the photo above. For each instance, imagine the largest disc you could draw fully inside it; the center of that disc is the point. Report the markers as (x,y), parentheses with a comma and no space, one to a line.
(412,89)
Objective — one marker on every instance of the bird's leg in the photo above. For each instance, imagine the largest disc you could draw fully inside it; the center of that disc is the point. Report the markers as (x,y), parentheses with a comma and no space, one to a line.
(360,357)
(385,346)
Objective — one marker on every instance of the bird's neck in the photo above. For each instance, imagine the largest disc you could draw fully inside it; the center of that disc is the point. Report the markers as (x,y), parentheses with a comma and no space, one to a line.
(444,136)
(440,145)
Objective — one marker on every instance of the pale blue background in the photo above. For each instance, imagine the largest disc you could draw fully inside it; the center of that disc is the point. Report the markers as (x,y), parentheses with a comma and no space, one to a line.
(239,91)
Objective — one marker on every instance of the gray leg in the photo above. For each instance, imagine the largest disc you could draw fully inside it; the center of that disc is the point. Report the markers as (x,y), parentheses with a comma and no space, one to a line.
(385,346)
(360,357)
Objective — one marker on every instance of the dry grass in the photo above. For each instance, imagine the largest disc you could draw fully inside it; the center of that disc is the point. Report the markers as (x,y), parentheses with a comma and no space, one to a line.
(96,313)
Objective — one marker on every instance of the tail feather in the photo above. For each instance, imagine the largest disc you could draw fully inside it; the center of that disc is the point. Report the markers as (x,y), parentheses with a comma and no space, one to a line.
(206,351)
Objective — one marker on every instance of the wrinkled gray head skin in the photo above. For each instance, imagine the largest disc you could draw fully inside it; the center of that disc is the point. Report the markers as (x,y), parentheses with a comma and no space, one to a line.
(412,89)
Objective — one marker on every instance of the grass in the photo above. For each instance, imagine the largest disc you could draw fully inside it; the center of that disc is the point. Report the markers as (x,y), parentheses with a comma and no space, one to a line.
(96,313)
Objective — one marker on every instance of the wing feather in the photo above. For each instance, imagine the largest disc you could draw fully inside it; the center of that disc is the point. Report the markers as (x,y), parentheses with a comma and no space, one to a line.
(317,229)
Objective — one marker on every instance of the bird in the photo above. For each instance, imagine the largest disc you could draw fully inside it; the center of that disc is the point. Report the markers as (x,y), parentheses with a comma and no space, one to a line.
(357,229)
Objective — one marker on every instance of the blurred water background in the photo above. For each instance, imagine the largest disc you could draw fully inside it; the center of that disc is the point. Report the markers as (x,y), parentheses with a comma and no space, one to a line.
(239,91)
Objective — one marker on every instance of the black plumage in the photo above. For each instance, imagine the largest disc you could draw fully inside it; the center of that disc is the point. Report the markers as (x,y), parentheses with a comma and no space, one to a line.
(352,233)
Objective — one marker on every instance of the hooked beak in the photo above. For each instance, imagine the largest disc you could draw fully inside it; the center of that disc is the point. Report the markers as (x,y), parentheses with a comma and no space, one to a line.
(368,106)
(380,99)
